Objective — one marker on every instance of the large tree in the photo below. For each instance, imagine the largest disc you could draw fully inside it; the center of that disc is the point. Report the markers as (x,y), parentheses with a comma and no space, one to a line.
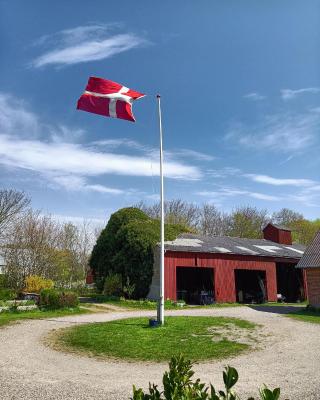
(286,217)
(176,211)
(12,203)
(212,221)
(126,247)
(248,222)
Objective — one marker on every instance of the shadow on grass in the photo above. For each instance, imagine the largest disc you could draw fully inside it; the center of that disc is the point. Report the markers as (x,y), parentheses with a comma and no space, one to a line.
(279,309)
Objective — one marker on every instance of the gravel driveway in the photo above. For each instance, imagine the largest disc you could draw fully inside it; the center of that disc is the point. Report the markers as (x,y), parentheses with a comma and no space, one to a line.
(289,358)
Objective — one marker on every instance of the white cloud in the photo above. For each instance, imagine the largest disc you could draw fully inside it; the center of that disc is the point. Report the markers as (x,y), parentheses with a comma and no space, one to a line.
(279,182)
(195,155)
(223,173)
(69,158)
(254,96)
(122,142)
(79,183)
(83,44)
(281,133)
(49,152)
(233,192)
(16,119)
(289,94)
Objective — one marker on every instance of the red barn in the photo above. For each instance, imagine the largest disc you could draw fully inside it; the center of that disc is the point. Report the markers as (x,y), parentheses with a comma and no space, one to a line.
(200,269)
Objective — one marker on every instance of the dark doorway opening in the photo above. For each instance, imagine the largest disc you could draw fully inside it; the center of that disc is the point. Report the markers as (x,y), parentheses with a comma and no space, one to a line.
(251,286)
(195,285)
(289,283)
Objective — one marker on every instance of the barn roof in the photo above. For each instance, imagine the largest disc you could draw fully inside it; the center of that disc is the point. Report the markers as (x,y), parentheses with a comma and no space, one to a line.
(311,257)
(234,245)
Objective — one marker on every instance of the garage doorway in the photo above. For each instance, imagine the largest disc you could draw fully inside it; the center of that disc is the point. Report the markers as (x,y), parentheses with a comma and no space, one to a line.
(250,286)
(289,283)
(195,285)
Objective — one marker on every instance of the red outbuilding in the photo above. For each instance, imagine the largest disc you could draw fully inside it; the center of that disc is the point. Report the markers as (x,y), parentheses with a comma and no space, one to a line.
(310,264)
(203,269)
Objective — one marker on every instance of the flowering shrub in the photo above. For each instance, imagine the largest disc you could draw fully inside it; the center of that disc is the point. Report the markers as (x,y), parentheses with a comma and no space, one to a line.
(35,283)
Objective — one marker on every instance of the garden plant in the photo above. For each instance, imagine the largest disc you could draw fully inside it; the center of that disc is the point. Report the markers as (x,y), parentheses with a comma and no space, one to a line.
(179,385)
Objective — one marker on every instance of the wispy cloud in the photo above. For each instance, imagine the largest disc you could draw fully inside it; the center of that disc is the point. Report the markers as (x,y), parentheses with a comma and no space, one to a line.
(120,143)
(254,96)
(289,94)
(79,183)
(223,172)
(77,159)
(84,44)
(16,118)
(191,154)
(281,133)
(223,193)
(70,164)
(280,182)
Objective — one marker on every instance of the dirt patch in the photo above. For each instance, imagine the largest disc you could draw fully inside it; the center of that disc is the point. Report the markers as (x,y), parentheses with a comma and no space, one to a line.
(233,333)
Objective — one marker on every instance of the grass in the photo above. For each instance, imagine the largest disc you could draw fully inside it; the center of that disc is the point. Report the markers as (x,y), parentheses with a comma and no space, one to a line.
(275,304)
(152,305)
(8,317)
(306,316)
(133,339)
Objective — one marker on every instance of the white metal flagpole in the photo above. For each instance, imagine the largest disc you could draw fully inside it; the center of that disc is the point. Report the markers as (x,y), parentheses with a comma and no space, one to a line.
(160,316)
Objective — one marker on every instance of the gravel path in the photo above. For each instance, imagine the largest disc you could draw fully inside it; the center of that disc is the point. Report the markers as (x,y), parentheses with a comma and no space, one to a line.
(289,357)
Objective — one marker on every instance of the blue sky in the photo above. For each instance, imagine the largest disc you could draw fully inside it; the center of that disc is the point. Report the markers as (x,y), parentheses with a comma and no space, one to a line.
(240,89)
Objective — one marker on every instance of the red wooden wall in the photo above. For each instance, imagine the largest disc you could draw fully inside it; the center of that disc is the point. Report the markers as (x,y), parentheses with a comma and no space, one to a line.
(277,235)
(313,286)
(224,276)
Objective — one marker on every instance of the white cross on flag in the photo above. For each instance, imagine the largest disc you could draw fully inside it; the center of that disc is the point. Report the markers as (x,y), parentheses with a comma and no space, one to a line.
(108,98)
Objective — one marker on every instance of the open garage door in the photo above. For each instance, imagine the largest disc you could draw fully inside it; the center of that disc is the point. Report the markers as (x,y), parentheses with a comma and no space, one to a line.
(250,286)
(195,285)
(289,283)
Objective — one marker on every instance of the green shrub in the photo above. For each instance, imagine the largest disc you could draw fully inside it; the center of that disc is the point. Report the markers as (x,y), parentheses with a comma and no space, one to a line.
(128,288)
(49,298)
(7,294)
(178,385)
(112,285)
(3,281)
(126,247)
(54,299)
(68,300)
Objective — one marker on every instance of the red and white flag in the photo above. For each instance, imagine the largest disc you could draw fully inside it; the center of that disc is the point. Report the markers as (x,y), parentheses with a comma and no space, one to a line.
(108,98)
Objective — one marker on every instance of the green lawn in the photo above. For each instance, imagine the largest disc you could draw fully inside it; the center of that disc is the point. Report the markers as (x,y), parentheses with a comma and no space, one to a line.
(275,304)
(8,317)
(152,305)
(197,338)
(306,316)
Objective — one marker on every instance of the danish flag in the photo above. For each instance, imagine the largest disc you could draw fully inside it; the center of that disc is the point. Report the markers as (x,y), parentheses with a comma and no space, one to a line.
(108,98)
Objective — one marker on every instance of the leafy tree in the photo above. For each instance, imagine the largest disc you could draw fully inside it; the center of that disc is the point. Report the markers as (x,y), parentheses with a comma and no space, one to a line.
(247,222)
(126,247)
(303,231)
(107,245)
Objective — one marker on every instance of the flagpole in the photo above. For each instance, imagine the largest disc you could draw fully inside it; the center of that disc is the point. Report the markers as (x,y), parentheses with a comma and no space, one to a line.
(160,316)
